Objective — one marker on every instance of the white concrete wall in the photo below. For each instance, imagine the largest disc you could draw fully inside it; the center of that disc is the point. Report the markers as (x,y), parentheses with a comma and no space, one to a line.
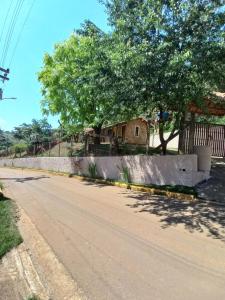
(159,170)
(155,141)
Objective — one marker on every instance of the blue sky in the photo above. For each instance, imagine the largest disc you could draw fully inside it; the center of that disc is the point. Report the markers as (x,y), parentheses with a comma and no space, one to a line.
(50,21)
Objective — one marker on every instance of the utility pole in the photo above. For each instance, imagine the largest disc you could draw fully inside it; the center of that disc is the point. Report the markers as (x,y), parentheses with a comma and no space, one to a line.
(5,74)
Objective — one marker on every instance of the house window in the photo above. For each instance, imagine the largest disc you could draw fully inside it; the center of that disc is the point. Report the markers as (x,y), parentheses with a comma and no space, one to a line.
(137,131)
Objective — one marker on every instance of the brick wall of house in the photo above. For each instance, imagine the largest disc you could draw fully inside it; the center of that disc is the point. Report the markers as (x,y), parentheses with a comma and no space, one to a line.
(130,132)
(130,137)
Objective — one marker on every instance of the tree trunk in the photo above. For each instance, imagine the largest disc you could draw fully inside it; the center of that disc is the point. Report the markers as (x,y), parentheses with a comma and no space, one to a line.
(161,134)
(97,138)
(181,135)
(148,137)
(110,145)
(192,134)
(162,140)
(116,145)
(86,144)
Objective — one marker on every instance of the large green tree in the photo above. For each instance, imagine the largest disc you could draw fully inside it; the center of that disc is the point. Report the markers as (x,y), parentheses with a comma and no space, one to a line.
(167,54)
(37,130)
(5,140)
(76,80)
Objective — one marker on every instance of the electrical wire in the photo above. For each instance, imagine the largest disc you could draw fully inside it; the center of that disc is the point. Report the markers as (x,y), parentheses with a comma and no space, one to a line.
(21,31)
(11,29)
(6,35)
(9,34)
(5,20)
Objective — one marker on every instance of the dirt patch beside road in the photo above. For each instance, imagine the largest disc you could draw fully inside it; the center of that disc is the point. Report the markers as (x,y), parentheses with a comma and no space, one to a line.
(33,269)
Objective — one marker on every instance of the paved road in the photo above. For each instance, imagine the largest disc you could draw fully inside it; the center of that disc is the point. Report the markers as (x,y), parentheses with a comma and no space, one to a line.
(214,188)
(121,245)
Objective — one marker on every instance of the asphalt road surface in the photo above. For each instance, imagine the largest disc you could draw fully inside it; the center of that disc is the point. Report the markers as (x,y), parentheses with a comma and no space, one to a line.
(123,245)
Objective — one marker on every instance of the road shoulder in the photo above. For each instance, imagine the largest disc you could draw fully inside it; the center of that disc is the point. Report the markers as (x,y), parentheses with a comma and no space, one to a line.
(33,269)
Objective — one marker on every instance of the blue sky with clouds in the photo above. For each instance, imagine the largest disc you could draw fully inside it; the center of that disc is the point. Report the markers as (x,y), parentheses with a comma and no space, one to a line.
(50,21)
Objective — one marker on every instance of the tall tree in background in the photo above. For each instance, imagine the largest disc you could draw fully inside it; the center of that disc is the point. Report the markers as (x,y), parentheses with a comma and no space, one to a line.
(167,54)
(76,80)
(37,130)
(5,140)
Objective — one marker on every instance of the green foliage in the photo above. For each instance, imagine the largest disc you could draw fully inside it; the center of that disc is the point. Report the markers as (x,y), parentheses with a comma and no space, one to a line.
(211,120)
(126,149)
(1,186)
(172,188)
(19,148)
(167,54)
(140,150)
(70,151)
(25,137)
(159,56)
(36,131)
(5,140)
(125,174)
(92,169)
(9,234)
(76,79)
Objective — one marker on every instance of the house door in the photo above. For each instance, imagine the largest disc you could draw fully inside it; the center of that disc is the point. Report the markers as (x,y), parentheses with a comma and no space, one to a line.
(123,133)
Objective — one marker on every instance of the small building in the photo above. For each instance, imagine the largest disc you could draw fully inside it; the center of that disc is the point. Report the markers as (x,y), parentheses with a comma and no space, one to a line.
(130,132)
(205,134)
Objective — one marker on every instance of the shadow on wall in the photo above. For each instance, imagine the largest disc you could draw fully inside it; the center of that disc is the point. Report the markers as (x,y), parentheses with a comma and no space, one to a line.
(159,170)
(195,216)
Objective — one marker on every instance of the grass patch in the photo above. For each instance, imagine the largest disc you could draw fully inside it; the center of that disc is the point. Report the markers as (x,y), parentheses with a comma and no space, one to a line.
(173,188)
(9,233)
(168,188)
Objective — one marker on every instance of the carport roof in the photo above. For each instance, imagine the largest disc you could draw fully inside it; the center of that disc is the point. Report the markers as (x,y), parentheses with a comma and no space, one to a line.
(215,106)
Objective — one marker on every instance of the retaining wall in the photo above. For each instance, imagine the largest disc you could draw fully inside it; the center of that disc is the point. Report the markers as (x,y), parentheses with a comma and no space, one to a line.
(159,170)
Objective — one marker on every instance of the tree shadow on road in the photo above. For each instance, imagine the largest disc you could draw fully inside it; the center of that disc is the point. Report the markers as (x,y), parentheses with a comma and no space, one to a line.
(94,184)
(24,179)
(194,216)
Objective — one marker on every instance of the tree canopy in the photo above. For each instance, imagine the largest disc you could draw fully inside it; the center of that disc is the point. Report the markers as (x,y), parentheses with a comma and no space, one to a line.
(37,130)
(159,56)
(171,52)
(76,79)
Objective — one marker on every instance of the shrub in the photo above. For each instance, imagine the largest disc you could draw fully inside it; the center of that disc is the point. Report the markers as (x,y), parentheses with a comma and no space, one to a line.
(70,151)
(125,174)
(19,148)
(9,234)
(1,186)
(92,169)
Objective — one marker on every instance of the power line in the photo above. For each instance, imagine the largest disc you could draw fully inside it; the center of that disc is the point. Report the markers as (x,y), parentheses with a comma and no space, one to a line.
(6,17)
(11,29)
(20,33)
(9,34)
(10,23)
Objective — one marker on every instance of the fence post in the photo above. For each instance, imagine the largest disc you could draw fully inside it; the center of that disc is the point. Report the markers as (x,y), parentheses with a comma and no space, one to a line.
(192,134)
(181,146)
(59,143)
(49,148)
